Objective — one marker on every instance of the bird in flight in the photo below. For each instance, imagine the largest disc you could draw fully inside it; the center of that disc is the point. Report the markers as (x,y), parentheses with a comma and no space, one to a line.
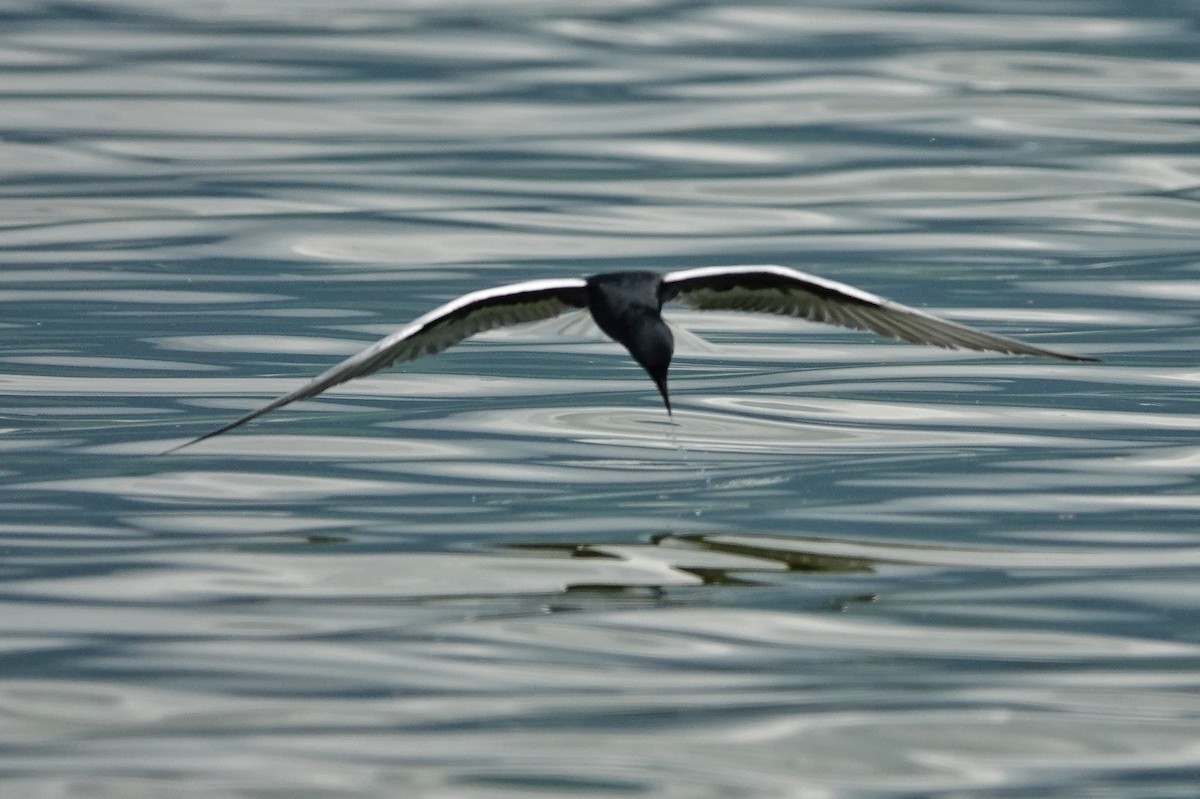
(627,306)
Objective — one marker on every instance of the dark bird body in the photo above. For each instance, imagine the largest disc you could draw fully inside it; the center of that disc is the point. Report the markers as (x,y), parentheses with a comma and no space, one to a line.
(627,306)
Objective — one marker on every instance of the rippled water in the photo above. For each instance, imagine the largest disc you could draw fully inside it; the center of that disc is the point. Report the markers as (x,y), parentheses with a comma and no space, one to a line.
(850,568)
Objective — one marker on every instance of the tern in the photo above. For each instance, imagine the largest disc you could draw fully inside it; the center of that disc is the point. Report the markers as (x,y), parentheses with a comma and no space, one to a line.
(627,306)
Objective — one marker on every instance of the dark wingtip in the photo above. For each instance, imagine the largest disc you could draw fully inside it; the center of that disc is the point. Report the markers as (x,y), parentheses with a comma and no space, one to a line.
(204,437)
(224,429)
(1067,356)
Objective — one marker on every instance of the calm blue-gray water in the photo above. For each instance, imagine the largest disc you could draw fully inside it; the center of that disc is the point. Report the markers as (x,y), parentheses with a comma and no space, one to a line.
(850,567)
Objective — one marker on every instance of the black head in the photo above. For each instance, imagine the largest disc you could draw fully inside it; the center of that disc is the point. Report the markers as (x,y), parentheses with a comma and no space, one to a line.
(627,306)
(652,346)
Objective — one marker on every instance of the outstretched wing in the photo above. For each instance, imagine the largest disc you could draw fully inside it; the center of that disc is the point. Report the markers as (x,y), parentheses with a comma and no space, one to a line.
(779,290)
(433,332)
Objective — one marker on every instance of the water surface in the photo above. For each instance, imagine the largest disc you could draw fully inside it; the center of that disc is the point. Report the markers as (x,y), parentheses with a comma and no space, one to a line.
(846,568)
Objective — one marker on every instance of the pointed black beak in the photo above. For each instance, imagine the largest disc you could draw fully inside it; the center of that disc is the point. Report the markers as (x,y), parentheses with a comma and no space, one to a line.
(653,348)
(662,389)
(652,345)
